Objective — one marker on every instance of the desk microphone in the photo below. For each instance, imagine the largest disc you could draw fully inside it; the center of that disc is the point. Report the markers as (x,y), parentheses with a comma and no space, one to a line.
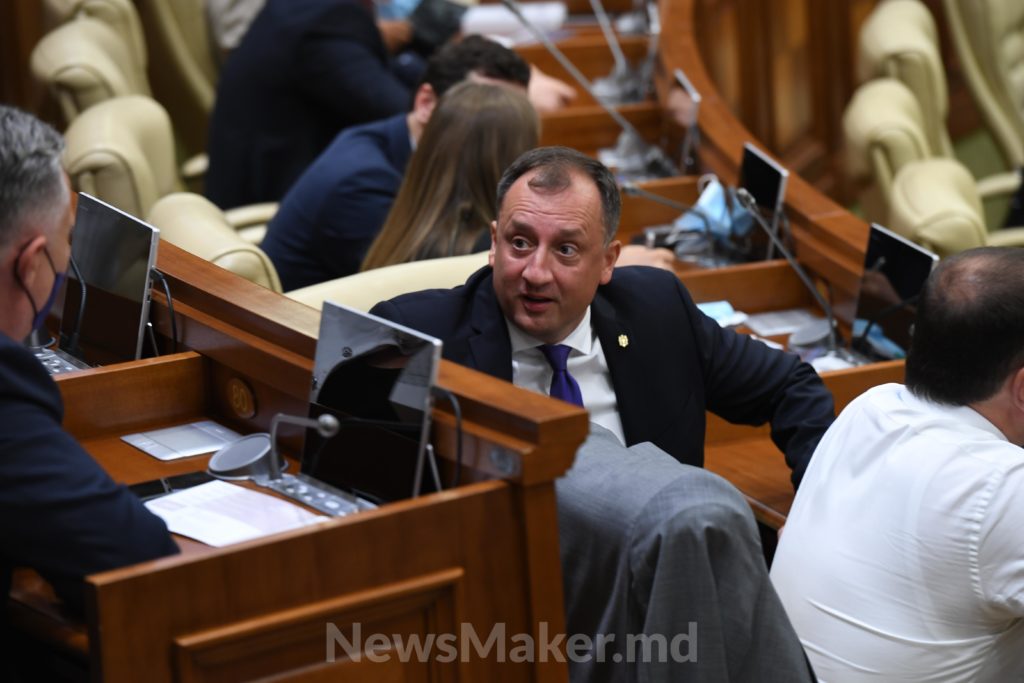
(670,235)
(326,426)
(812,332)
(624,84)
(642,156)
(72,343)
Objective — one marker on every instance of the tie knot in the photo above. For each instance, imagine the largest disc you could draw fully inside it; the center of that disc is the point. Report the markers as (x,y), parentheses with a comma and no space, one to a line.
(557,354)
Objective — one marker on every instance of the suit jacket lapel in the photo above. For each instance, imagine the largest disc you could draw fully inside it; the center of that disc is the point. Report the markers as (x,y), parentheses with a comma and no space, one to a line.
(489,344)
(624,363)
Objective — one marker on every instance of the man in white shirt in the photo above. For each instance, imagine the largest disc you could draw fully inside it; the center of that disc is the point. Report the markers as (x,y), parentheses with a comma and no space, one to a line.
(903,556)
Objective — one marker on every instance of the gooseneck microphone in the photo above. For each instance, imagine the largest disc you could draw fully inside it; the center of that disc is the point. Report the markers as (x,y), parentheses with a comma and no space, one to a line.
(623,85)
(671,233)
(326,426)
(811,332)
(651,158)
(72,344)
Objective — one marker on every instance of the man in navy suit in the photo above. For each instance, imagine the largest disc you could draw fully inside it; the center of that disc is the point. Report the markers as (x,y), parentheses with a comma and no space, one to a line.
(329,218)
(648,545)
(59,511)
(305,70)
(649,363)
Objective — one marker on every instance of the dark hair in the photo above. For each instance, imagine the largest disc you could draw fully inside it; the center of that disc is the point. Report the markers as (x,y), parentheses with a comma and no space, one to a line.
(556,164)
(446,201)
(30,170)
(474,54)
(969,333)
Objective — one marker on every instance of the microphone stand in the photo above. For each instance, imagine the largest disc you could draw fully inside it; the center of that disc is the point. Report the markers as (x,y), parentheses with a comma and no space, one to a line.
(76,331)
(672,234)
(812,331)
(326,426)
(650,158)
(621,85)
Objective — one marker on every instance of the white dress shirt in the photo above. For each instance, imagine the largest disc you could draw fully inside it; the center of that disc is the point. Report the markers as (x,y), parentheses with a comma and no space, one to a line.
(903,556)
(586,364)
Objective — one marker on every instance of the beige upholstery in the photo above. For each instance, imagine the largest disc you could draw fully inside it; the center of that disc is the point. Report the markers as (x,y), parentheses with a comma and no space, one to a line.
(899,40)
(365,289)
(883,128)
(122,151)
(989,39)
(195,224)
(183,67)
(121,15)
(936,204)
(84,62)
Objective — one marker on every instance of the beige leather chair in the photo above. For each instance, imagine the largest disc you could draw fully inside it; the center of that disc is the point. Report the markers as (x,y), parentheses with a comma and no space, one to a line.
(884,130)
(183,66)
(84,62)
(363,290)
(899,40)
(936,204)
(989,40)
(120,15)
(122,151)
(195,224)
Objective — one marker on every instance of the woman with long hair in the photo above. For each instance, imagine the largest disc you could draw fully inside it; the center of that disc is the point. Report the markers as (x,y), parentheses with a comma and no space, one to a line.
(447,200)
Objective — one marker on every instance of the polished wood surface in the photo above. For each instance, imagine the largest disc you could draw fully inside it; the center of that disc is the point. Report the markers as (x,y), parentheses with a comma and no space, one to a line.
(480,555)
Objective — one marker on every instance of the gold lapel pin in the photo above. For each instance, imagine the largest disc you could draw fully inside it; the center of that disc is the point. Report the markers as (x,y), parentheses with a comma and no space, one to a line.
(623,341)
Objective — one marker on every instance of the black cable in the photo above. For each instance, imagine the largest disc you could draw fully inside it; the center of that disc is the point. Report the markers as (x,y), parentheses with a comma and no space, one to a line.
(457,410)
(156,274)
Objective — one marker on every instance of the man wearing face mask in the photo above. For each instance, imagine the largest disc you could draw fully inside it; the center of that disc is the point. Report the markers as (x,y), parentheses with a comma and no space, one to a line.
(60,513)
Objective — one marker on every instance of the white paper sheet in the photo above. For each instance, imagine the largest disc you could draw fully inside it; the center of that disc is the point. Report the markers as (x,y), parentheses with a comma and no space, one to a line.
(218,513)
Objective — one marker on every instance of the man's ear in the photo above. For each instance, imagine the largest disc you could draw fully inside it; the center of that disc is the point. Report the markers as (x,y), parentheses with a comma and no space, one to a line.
(423,103)
(611,255)
(1017,392)
(29,260)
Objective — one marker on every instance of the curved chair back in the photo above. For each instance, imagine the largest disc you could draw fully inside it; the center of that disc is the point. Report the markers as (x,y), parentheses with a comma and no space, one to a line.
(183,65)
(899,40)
(122,151)
(84,62)
(884,130)
(363,290)
(195,224)
(935,203)
(120,15)
(989,39)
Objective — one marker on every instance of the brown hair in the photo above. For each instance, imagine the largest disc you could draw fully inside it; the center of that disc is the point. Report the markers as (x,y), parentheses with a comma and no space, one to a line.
(447,198)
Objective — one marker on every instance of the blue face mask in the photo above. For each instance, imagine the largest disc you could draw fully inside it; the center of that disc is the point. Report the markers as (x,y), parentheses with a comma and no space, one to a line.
(39,319)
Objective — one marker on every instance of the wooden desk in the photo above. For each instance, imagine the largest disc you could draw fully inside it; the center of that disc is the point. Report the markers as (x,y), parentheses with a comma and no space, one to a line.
(481,555)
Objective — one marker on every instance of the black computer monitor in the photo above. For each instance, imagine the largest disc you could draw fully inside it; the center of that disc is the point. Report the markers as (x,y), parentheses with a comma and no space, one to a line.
(894,272)
(763,178)
(115,253)
(376,377)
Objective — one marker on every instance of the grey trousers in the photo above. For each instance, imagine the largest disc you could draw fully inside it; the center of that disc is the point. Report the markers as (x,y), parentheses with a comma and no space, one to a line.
(662,562)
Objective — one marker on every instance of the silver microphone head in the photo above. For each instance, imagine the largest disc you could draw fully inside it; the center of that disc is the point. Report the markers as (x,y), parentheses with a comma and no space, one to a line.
(327,425)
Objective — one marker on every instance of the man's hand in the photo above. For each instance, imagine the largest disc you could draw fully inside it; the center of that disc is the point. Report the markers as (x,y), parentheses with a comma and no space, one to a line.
(639,255)
(547,93)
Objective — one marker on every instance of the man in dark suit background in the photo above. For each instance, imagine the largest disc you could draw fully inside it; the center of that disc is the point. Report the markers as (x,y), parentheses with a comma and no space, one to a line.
(331,215)
(648,546)
(305,70)
(59,511)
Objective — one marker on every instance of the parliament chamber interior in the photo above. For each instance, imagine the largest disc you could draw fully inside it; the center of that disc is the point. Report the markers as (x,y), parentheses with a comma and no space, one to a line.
(864,119)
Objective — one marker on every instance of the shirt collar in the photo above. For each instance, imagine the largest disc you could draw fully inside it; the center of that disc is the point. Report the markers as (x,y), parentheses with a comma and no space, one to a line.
(963,414)
(580,339)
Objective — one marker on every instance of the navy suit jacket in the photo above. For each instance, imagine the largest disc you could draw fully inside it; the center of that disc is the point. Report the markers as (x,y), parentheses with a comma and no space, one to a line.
(305,70)
(60,513)
(332,214)
(669,363)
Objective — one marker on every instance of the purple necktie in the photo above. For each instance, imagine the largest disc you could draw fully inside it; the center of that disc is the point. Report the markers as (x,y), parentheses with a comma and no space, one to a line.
(563,385)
